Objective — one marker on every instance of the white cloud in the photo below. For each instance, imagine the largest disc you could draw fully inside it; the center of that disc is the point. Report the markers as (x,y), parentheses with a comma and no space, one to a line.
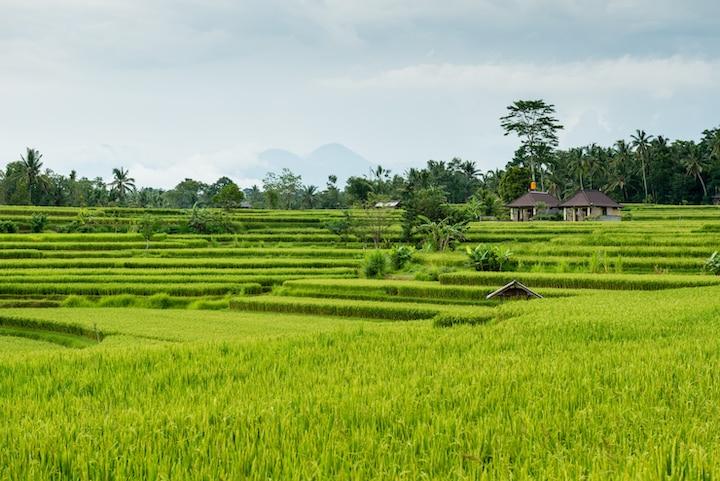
(206,167)
(659,77)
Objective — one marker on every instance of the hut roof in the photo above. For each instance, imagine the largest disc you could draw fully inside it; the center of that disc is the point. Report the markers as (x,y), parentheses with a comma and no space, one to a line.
(390,204)
(590,198)
(514,285)
(533,198)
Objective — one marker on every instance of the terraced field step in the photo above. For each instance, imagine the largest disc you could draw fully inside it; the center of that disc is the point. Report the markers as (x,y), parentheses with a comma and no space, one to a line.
(66,335)
(402,290)
(358,309)
(222,263)
(580,281)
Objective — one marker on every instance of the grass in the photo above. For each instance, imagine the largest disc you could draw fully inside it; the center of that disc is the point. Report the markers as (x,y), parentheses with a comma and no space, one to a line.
(611,376)
(562,391)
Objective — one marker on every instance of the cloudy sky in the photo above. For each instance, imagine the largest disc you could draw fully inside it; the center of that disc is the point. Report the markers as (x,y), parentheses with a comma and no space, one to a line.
(198,88)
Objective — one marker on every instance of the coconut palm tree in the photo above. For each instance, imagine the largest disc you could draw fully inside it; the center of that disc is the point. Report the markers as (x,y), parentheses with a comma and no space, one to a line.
(122,183)
(32,172)
(578,164)
(641,144)
(619,168)
(309,192)
(694,165)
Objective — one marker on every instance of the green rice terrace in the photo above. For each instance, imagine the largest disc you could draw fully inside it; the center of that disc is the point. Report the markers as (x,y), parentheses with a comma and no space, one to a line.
(280,352)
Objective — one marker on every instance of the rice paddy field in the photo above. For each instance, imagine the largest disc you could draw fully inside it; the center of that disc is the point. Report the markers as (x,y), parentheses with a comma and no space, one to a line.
(266,354)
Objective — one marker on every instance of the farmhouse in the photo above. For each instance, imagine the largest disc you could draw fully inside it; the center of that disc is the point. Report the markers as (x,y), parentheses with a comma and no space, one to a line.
(590,204)
(528,205)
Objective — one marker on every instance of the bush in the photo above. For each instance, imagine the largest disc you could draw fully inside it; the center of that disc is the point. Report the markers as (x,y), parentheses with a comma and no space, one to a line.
(489,258)
(375,264)
(712,265)
(400,256)
(203,221)
(38,222)
(8,227)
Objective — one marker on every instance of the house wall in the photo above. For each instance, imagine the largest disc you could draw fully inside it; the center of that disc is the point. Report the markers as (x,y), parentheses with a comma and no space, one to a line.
(578,214)
(527,214)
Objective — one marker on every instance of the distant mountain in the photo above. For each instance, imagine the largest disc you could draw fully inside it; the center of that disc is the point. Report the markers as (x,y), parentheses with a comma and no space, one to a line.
(315,167)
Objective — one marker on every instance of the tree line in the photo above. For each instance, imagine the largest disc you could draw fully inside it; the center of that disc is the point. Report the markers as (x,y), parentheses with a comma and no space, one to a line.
(641,168)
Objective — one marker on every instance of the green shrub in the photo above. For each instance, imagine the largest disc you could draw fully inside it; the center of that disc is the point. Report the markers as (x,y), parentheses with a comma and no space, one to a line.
(489,258)
(38,222)
(401,256)
(8,227)
(375,264)
(712,265)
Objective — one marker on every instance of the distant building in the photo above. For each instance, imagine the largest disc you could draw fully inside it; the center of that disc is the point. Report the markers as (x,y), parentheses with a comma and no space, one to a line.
(590,204)
(716,199)
(392,204)
(514,290)
(528,205)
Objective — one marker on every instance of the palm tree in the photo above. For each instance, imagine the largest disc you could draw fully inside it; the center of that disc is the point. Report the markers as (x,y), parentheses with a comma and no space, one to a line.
(619,168)
(469,169)
(578,164)
(641,143)
(122,183)
(715,145)
(308,194)
(32,166)
(694,165)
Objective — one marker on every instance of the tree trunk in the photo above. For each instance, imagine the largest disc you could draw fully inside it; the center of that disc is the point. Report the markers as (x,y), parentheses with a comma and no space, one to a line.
(644,180)
(702,182)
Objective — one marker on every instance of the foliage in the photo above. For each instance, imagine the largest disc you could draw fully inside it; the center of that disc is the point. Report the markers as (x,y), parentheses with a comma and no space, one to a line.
(375,264)
(489,258)
(341,227)
(425,203)
(205,221)
(286,188)
(377,221)
(712,265)
(229,197)
(400,256)
(121,185)
(147,227)
(8,226)
(514,183)
(442,235)
(534,122)
(38,222)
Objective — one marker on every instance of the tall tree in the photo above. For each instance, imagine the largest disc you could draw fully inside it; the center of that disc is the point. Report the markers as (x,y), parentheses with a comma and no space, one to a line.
(620,168)
(32,166)
(641,144)
(122,184)
(309,193)
(694,165)
(534,122)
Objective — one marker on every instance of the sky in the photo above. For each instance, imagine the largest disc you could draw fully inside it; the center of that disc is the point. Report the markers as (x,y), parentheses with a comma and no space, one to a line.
(200,88)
